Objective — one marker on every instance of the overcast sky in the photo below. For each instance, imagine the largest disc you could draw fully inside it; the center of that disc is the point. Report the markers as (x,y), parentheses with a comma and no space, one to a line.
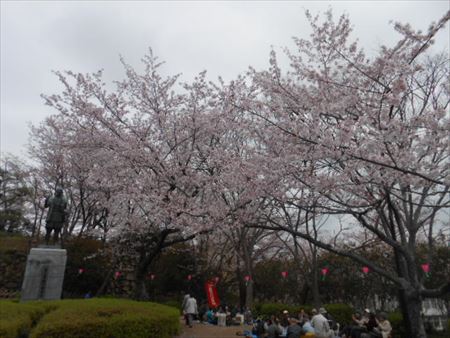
(223,38)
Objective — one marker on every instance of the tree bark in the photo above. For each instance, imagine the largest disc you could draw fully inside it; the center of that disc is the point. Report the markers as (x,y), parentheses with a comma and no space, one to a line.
(412,313)
(249,294)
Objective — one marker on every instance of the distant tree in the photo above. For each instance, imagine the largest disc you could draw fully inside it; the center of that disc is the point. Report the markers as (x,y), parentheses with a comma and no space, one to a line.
(15,196)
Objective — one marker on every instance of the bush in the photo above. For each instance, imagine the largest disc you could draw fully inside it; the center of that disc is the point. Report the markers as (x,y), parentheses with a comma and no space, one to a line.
(341,313)
(398,326)
(90,318)
(108,318)
(16,320)
(173,303)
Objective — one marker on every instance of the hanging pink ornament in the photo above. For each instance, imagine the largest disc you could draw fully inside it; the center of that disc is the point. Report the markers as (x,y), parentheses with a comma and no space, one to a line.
(216,279)
(284,274)
(248,278)
(117,274)
(324,273)
(426,268)
(365,269)
(189,277)
(80,271)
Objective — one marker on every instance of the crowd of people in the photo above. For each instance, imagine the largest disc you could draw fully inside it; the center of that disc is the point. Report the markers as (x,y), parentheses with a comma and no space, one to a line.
(317,324)
(320,324)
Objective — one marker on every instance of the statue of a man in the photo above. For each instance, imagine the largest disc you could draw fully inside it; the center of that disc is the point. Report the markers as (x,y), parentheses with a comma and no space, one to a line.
(56,215)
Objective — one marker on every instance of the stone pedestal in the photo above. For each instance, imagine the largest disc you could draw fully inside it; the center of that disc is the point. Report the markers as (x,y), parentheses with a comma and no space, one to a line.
(44,274)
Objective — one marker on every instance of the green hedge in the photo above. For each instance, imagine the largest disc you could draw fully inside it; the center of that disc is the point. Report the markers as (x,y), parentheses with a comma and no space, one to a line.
(341,313)
(86,318)
(16,320)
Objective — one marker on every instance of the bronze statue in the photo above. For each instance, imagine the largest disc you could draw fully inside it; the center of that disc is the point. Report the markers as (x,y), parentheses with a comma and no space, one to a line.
(56,215)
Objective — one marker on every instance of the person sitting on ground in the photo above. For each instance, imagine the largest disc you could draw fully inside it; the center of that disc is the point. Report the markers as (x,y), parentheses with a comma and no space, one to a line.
(361,324)
(248,319)
(382,330)
(284,322)
(372,323)
(211,317)
(301,316)
(307,327)
(273,328)
(294,329)
(258,328)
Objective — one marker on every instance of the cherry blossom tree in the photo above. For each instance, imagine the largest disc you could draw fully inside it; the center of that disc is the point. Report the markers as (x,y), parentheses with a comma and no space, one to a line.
(365,137)
(370,136)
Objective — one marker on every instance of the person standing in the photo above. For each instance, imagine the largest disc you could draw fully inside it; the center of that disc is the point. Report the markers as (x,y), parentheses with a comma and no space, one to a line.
(190,310)
(183,305)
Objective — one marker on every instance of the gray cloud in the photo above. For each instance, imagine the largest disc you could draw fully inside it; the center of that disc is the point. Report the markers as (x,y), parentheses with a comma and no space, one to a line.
(221,37)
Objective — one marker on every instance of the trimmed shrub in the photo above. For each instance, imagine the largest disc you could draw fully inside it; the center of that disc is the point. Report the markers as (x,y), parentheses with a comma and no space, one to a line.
(87,318)
(173,303)
(341,313)
(98,318)
(16,319)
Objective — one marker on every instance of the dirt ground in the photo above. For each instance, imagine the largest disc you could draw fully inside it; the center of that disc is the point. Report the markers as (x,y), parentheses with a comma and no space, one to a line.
(210,331)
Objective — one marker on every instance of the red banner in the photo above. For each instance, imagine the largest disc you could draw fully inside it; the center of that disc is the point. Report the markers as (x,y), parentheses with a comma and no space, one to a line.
(211,292)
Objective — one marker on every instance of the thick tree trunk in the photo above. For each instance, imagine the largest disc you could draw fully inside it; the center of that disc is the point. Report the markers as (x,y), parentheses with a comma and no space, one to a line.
(411,314)
(140,290)
(404,311)
(242,293)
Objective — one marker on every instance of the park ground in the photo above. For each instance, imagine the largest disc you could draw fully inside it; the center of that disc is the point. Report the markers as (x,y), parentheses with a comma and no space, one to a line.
(210,331)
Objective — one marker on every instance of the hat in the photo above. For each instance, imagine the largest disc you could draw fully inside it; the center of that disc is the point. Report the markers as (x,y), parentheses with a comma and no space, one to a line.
(322,310)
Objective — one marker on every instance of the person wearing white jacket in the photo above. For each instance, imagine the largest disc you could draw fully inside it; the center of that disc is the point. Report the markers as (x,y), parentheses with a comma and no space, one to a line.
(190,309)
(320,324)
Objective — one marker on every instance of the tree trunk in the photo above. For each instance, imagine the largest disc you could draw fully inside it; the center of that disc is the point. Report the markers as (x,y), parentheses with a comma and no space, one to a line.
(404,310)
(412,314)
(140,290)
(315,281)
(249,294)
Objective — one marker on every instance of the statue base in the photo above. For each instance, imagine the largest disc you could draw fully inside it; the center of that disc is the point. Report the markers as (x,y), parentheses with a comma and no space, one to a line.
(44,274)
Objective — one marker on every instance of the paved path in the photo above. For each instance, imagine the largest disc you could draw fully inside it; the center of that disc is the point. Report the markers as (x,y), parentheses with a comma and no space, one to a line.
(210,331)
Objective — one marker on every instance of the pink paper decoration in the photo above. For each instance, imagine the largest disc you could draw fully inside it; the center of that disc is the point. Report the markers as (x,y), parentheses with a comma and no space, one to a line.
(117,274)
(216,279)
(324,273)
(284,274)
(365,269)
(80,271)
(189,277)
(247,278)
(426,267)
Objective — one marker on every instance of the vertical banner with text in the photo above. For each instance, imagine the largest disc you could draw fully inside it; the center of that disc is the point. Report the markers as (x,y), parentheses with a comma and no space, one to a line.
(211,293)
